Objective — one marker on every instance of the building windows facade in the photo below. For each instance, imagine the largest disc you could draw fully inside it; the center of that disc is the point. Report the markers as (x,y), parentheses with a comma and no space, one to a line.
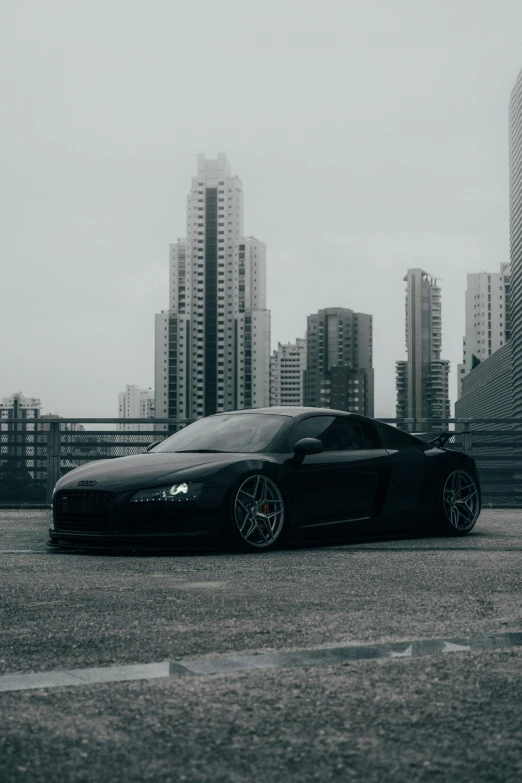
(494,313)
(287,365)
(339,358)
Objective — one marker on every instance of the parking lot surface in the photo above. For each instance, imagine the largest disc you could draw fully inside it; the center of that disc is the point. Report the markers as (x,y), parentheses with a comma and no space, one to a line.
(264,682)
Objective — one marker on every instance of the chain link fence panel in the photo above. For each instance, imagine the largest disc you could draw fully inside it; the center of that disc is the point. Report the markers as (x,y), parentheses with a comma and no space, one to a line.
(23,467)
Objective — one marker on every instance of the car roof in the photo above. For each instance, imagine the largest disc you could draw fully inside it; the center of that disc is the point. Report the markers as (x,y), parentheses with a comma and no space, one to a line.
(289,411)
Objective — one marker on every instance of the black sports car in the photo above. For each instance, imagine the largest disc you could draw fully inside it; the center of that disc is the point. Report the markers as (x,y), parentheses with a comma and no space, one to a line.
(252,479)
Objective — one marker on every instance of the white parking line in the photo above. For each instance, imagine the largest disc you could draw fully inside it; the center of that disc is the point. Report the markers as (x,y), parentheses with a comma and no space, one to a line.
(57,679)
(206,665)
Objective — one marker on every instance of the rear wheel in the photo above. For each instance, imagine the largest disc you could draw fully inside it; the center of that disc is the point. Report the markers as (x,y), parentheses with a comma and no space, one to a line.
(458,504)
(258,514)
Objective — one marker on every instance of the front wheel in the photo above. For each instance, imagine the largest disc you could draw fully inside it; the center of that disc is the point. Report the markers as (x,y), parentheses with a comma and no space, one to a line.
(258,514)
(458,504)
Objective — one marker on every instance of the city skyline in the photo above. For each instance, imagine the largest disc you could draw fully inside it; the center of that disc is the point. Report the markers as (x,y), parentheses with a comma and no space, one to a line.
(416,177)
(186,250)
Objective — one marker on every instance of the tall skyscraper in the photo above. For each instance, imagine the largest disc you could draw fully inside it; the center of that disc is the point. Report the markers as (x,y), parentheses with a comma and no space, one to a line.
(213,344)
(515,230)
(422,380)
(287,365)
(339,371)
(488,318)
(136,403)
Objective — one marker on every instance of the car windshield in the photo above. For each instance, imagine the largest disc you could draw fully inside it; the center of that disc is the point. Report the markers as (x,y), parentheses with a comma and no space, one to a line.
(243,432)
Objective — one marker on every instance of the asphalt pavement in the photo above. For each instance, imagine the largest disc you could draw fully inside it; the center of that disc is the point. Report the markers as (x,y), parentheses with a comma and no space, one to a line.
(378,659)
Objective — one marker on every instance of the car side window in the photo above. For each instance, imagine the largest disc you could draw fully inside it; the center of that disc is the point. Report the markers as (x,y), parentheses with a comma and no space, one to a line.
(351,434)
(314,427)
(336,433)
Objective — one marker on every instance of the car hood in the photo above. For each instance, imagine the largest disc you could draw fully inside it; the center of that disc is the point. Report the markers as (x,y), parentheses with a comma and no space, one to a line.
(149,470)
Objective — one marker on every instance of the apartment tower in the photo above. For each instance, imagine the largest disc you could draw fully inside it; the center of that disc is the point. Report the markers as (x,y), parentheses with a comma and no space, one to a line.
(136,403)
(287,364)
(213,344)
(422,380)
(339,371)
(488,318)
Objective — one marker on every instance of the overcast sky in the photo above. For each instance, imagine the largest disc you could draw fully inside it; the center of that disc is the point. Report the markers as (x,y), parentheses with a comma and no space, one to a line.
(370,135)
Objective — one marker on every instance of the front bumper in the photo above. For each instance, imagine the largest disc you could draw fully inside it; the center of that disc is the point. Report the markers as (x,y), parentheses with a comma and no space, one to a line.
(106,519)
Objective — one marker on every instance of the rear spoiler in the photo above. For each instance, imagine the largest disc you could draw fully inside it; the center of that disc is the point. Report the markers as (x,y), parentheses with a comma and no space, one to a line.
(442,439)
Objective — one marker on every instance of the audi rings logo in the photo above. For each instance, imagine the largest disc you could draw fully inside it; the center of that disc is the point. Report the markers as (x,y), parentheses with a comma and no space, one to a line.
(86,483)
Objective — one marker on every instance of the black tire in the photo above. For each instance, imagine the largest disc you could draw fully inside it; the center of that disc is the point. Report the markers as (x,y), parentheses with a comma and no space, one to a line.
(457,504)
(257,515)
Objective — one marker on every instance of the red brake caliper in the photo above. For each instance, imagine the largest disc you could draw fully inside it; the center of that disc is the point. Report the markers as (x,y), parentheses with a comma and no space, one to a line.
(265,508)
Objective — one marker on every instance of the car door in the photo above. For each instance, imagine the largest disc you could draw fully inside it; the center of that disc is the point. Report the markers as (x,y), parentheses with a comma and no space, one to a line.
(304,484)
(347,480)
(407,472)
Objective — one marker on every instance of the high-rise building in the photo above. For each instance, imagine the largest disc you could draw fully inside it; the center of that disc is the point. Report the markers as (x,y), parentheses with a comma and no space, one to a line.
(488,318)
(136,403)
(422,380)
(487,392)
(515,231)
(287,365)
(213,344)
(339,371)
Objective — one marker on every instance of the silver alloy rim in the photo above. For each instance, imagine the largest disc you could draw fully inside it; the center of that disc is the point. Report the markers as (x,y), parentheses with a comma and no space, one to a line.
(461,500)
(259,511)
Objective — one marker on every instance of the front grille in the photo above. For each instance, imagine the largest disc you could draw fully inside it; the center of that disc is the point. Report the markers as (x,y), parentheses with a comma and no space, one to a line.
(82,510)
(154,517)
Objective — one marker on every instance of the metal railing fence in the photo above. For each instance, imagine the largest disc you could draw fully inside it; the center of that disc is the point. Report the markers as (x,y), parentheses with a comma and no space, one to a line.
(35,453)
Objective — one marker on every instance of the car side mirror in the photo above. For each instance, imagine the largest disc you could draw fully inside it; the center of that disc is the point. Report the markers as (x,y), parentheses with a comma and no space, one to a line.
(151,446)
(305,447)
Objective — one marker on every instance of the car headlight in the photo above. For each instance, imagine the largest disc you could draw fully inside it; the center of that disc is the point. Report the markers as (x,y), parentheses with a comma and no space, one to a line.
(176,492)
